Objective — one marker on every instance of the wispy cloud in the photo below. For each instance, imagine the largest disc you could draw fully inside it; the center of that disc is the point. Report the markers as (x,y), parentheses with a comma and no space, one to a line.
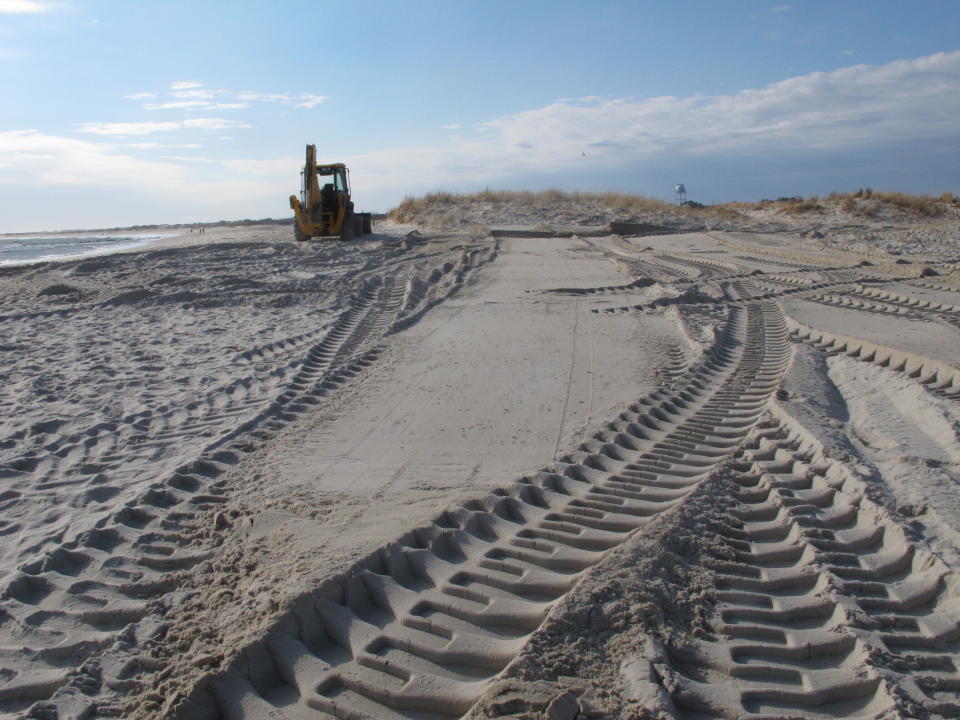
(128,128)
(857,104)
(214,124)
(862,106)
(264,97)
(150,127)
(176,105)
(25,155)
(196,93)
(23,7)
(191,95)
(879,111)
(308,101)
(781,8)
(451,126)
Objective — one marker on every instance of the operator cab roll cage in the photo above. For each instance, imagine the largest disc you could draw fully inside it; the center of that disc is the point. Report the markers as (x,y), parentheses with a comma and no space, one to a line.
(328,190)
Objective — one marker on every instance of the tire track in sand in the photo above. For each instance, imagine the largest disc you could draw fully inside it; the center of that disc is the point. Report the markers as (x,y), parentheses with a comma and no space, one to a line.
(419,627)
(938,377)
(68,606)
(828,609)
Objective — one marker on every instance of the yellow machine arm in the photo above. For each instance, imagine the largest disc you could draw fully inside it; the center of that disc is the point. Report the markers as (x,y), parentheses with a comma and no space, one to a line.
(326,210)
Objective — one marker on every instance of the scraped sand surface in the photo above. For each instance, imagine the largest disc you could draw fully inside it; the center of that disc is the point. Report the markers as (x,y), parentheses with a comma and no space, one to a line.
(492,384)
(492,471)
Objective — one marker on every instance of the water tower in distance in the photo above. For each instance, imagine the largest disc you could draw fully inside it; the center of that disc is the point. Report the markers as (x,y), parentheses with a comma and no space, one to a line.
(680,193)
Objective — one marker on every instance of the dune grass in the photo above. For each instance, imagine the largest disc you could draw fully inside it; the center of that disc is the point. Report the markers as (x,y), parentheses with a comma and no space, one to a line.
(866,202)
(446,208)
(612,204)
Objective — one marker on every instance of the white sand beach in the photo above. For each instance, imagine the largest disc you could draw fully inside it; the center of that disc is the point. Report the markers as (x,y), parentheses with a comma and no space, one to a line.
(518,464)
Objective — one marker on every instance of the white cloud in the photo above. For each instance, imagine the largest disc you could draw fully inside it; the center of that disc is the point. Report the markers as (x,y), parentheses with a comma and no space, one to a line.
(887,106)
(150,127)
(22,7)
(781,8)
(877,111)
(176,105)
(451,126)
(185,95)
(846,52)
(853,105)
(25,155)
(128,128)
(304,100)
(214,124)
(265,97)
(308,101)
(196,93)
(132,190)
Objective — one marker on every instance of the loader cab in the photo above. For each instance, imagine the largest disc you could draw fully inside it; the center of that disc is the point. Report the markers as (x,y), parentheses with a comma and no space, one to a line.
(324,208)
(331,182)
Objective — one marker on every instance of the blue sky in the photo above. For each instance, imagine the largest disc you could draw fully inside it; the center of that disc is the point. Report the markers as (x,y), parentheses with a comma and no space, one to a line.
(126,112)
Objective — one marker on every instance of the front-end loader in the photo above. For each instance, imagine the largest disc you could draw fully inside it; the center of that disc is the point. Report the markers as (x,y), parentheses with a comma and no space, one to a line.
(324,208)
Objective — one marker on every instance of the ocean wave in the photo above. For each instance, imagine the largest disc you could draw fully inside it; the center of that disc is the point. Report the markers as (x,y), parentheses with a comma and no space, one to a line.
(28,249)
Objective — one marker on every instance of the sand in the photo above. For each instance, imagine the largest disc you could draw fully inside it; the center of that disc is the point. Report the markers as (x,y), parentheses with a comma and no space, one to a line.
(510,469)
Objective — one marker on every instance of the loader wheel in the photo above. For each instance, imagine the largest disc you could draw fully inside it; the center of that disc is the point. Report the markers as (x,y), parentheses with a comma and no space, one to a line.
(367,224)
(347,230)
(298,233)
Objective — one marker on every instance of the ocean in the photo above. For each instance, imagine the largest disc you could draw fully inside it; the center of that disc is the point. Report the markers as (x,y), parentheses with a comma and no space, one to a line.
(25,249)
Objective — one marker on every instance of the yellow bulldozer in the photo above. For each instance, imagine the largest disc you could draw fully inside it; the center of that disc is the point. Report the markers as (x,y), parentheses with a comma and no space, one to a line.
(324,208)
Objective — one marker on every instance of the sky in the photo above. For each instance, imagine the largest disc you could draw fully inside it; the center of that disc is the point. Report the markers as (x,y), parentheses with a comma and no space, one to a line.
(122,112)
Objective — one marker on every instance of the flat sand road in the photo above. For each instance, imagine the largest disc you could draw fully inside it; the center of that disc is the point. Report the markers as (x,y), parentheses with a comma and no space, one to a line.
(494,383)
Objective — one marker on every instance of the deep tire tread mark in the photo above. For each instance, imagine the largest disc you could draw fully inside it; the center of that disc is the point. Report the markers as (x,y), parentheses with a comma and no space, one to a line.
(827,607)
(467,590)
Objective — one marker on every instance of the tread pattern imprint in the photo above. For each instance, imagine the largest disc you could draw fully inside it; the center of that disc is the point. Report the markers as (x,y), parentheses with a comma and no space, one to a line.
(827,610)
(71,612)
(420,627)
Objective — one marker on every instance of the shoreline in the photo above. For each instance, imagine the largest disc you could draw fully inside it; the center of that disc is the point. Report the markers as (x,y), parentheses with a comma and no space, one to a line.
(178,236)
(157,226)
(134,243)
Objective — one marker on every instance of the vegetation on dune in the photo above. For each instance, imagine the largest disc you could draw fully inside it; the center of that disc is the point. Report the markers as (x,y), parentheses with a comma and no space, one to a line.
(866,202)
(613,204)
(446,209)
